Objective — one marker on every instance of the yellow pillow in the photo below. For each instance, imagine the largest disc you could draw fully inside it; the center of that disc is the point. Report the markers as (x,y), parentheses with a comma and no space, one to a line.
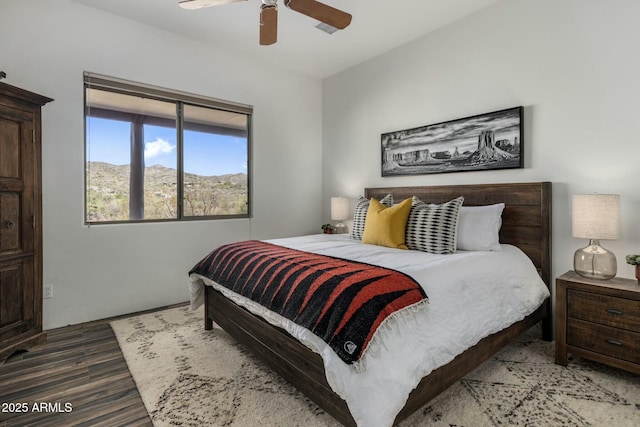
(385,226)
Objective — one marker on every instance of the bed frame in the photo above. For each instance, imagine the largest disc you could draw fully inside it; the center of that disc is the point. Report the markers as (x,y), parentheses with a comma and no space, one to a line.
(526,224)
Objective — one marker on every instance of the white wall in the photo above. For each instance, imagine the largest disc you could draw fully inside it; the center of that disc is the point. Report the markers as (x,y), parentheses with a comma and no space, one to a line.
(113,269)
(572,64)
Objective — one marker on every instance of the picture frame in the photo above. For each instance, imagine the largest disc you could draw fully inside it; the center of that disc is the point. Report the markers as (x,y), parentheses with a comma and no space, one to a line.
(486,141)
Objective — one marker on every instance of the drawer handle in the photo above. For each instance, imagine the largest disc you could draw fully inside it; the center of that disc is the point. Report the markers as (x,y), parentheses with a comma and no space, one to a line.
(9,224)
(614,311)
(614,342)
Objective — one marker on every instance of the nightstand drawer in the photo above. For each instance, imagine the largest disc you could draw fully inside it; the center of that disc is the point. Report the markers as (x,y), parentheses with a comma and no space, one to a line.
(604,309)
(617,343)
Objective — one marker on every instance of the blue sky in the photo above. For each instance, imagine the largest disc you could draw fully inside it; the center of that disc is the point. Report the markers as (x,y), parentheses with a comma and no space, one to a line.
(204,154)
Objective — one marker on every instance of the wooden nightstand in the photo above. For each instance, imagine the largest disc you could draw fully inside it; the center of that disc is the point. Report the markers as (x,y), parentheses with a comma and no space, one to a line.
(598,320)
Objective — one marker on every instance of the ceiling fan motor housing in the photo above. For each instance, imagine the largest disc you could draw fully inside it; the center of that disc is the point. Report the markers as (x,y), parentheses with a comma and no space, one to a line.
(326,14)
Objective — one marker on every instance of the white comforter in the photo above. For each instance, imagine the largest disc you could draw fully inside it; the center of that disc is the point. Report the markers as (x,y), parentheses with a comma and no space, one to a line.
(471,295)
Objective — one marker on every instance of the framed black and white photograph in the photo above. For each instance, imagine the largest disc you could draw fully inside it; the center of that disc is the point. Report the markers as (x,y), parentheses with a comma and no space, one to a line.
(482,142)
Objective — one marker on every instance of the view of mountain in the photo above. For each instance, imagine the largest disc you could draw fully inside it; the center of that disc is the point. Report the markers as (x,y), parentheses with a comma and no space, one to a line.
(108,193)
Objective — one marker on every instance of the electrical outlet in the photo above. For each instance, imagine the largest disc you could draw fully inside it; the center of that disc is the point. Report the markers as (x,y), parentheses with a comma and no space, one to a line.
(47,291)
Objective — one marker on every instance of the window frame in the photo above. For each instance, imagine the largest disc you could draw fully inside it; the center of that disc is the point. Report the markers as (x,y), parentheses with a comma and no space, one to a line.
(180,99)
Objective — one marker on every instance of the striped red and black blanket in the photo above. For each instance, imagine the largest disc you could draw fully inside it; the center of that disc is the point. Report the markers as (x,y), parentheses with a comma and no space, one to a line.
(341,301)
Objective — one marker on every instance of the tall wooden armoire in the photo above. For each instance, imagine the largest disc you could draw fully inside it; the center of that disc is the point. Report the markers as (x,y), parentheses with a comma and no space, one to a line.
(20,220)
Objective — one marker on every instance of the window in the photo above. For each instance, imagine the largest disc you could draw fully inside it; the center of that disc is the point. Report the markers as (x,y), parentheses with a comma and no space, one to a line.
(160,155)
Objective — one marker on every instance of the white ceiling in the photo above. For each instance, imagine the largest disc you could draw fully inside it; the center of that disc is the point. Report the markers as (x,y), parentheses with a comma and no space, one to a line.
(377,26)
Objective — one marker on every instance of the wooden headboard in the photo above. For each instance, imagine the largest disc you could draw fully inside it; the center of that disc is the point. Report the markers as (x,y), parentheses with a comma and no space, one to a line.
(526,219)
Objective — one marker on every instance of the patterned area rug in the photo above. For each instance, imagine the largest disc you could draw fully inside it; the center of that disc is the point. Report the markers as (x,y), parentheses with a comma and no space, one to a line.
(191,377)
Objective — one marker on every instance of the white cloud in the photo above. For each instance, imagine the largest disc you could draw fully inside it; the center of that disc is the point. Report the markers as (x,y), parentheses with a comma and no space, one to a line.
(157,147)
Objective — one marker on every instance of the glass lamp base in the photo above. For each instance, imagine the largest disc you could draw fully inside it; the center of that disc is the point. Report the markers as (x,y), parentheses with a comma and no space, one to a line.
(340,228)
(595,262)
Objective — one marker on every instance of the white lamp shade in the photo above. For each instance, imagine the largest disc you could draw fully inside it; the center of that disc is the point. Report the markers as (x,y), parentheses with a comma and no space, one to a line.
(339,208)
(596,216)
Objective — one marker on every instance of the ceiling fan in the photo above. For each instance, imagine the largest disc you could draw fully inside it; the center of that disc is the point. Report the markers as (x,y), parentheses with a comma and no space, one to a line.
(326,14)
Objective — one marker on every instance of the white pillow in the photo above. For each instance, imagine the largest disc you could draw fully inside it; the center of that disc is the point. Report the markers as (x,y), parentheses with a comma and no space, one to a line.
(479,226)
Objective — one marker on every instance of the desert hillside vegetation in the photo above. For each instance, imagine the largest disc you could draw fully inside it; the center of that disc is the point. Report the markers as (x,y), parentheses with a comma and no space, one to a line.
(108,193)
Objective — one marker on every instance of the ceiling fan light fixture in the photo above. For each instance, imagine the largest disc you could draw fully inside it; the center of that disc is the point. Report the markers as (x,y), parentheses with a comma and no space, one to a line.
(199,4)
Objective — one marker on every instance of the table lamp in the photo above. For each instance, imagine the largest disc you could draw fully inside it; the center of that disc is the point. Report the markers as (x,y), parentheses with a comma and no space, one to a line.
(595,217)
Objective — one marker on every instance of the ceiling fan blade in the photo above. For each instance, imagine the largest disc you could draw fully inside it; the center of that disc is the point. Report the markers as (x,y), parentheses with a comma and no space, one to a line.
(198,4)
(321,12)
(268,24)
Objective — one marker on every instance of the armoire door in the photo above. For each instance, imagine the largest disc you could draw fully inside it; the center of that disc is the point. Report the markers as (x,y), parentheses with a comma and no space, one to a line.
(16,222)
(20,225)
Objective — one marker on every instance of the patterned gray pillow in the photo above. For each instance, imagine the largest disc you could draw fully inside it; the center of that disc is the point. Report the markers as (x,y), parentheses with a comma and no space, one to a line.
(360,214)
(433,228)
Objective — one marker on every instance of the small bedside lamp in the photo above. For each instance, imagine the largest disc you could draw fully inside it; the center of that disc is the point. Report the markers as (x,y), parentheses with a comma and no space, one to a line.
(595,217)
(340,212)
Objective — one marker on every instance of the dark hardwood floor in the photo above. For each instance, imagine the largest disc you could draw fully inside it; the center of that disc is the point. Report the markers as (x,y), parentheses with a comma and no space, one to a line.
(78,378)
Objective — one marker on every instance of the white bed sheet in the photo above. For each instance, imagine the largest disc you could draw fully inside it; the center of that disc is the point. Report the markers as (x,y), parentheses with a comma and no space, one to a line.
(471,296)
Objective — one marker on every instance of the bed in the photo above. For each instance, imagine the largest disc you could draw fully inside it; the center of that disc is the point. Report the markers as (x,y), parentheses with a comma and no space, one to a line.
(525,225)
